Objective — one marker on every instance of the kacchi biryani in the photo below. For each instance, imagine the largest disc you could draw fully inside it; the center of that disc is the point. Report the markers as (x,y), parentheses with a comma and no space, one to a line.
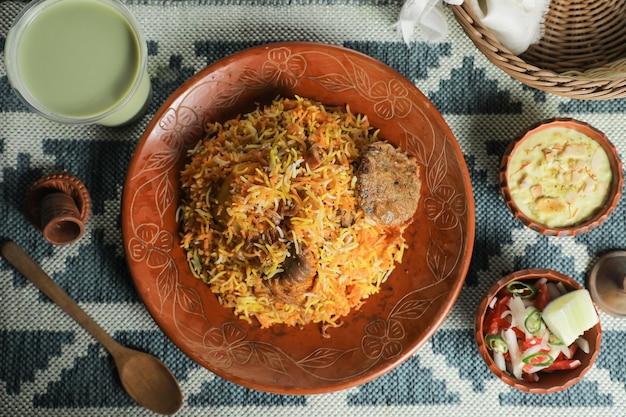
(559,177)
(283,223)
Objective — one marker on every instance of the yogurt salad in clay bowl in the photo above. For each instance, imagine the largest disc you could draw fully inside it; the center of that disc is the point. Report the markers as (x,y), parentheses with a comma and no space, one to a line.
(561,177)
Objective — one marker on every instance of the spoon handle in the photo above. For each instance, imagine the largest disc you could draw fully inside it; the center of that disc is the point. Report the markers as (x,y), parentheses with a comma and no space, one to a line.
(17,257)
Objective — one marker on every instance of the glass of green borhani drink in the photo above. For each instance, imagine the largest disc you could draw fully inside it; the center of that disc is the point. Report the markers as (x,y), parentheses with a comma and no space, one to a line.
(79,61)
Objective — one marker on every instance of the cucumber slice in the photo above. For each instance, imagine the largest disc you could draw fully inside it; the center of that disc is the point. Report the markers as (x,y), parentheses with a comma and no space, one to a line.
(570,315)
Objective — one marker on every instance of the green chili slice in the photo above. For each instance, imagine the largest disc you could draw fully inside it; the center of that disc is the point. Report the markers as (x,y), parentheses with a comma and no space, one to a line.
(532,322)
(538,359)
(555,341)
(521,289)
(496,343)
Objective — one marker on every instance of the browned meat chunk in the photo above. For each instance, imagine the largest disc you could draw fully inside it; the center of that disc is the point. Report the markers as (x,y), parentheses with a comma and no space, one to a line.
(314,156)
(296,279)
(388,185)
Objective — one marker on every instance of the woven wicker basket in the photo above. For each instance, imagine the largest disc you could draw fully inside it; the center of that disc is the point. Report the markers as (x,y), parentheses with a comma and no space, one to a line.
(582,54)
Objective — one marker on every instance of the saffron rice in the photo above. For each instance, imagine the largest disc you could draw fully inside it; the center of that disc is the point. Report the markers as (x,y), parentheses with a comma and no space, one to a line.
(265,155)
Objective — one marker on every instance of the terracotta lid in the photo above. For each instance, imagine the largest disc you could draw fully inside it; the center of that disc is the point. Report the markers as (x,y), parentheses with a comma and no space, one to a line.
(585,224)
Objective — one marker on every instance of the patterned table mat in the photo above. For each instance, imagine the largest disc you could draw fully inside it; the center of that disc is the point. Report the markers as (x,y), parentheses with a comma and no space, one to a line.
(51,367)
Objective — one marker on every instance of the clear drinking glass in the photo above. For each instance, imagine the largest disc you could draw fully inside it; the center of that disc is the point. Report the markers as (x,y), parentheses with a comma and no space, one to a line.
(79,61)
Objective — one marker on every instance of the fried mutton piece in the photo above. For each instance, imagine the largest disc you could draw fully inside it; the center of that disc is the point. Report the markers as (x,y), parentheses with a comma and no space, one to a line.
(388,184)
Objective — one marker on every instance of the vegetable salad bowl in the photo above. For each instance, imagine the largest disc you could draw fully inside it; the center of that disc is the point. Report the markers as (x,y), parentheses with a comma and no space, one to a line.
(538,373)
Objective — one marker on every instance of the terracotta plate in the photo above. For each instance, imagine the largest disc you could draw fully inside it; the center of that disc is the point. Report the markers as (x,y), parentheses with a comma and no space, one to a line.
(393,324)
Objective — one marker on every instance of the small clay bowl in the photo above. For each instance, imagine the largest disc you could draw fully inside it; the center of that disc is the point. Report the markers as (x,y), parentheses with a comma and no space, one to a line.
(549,382)
(595,218)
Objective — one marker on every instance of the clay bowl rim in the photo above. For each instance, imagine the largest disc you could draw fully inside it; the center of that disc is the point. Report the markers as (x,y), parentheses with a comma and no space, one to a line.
(602,214)
(548,383)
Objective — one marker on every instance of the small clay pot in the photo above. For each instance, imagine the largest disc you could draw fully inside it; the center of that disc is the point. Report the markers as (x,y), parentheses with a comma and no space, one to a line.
(548,382)
(601,214)
(59,206)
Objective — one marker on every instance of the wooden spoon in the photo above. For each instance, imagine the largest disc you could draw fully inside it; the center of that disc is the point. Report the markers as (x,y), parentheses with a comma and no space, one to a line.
(145,378)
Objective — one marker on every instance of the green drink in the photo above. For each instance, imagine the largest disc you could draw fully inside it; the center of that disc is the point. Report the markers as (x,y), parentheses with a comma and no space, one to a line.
(79,61)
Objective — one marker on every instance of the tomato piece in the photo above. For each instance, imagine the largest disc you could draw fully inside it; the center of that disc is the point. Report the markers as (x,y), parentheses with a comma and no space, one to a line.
(496,324)
(530,342)
(519,333)
(543,296)
(502,323)
(494,321)
(501,305)
(491,327)
(563,365)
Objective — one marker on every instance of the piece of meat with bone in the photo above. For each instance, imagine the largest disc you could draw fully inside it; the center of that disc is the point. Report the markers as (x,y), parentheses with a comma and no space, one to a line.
(297,278)
(388,184)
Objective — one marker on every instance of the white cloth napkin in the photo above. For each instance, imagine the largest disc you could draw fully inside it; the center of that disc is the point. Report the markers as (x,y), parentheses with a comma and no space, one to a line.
(428,14)
(515,23)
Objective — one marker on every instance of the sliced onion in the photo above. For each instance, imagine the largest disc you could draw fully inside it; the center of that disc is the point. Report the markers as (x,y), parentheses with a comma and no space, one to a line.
(532,350)
(518,310)
(499,360)
(583,344)
(553,291)
(561,287)
(555,350)
(566,351)
(516,357)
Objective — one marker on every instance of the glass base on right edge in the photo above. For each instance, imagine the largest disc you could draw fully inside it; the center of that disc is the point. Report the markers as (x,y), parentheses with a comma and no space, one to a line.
(607,282)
